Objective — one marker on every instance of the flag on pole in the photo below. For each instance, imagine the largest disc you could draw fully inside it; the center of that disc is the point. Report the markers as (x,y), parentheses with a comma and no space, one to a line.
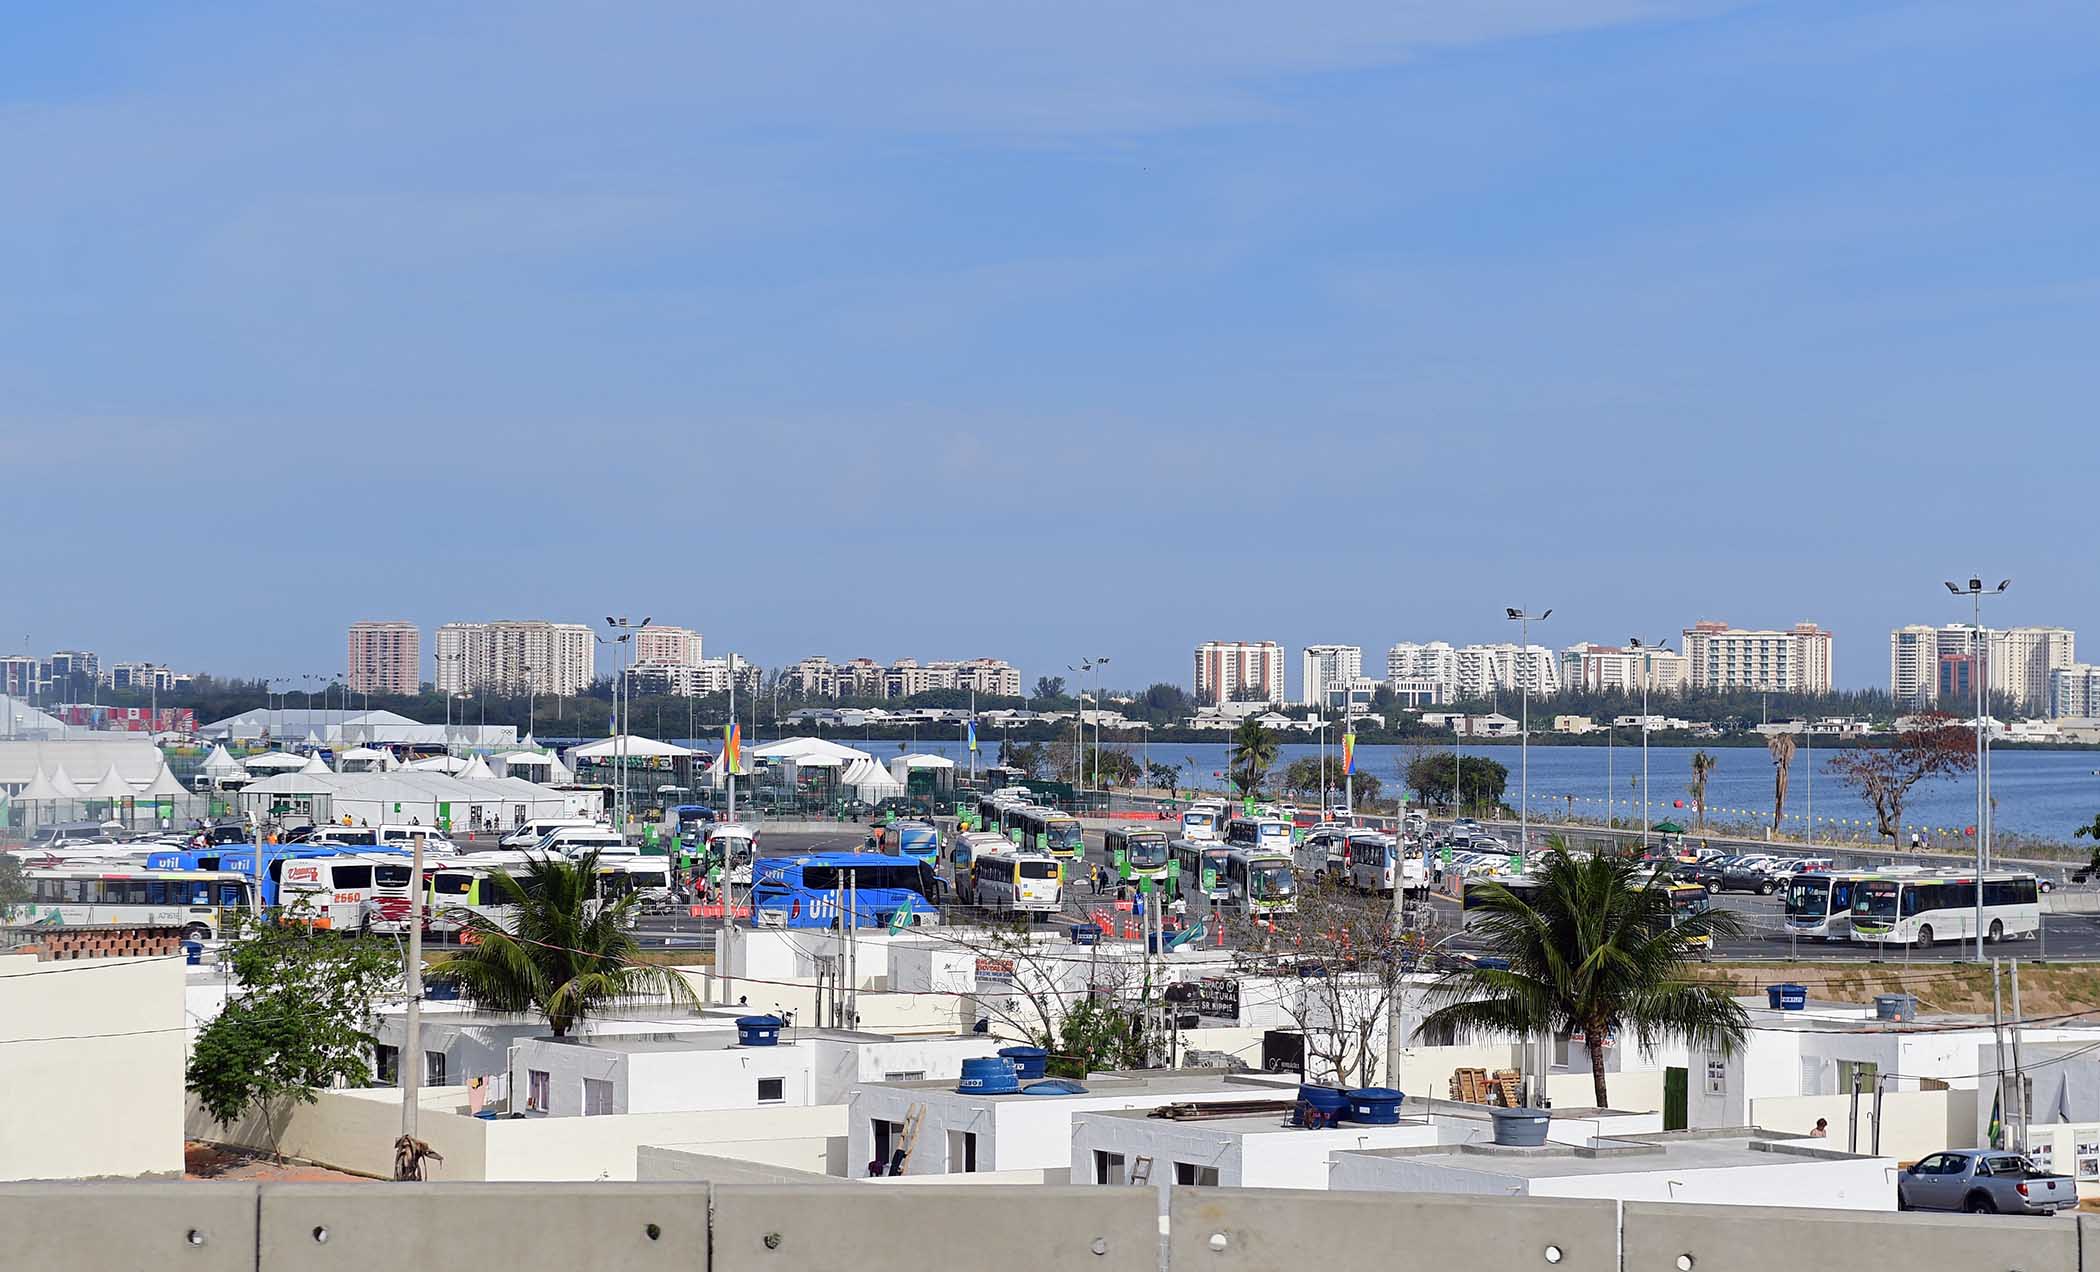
(733,749)
(1349,754)
(1997,1131)
(900,919)
(973,737)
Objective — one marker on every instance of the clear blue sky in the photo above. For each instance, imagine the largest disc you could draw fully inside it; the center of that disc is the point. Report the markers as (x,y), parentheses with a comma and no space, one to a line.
(1042,330)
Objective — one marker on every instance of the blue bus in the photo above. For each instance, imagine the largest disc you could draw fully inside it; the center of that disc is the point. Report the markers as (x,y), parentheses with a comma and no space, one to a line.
(808,891)
(239,859)
(912,839)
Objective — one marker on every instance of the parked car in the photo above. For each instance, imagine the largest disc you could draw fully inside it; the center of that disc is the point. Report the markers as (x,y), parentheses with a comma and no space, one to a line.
(1746,874)
(1982,1182)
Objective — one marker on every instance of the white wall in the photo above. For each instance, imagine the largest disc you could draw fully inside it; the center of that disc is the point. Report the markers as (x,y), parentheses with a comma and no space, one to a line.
(91,1061)
(1914,1123)
(670,1080)
(1850,1184)
(1032,1133)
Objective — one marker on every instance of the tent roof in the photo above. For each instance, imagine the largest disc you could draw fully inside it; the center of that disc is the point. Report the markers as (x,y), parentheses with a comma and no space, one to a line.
(111,786)
(164,785)
(478,771)
(66,787)
(315,764)
(274,760)
(39,788)
(923,761)
(869,778)
(362,753)
(797,748)
(437,764)
(628,745)
(220,762)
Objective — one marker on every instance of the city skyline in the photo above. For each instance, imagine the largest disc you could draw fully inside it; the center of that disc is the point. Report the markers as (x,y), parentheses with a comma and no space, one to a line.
(1481,305)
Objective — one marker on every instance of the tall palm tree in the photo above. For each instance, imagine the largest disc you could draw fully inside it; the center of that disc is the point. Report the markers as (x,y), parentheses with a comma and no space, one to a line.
(1781,745)
(1253,755)
(1702,768)
(568,956)
(1598,947)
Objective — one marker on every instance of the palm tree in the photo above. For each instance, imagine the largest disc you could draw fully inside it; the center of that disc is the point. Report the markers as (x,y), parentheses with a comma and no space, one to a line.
(1781,745)
(1598,947)
(568,956)
(1702,768)
(1253,755)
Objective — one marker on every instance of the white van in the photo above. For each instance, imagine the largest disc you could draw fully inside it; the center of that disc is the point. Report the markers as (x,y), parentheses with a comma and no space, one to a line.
(539,828)
(404,837)
(574,841)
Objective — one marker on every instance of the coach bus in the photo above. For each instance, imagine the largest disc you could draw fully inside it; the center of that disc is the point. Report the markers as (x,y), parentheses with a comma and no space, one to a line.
(1923,909)
(809,891)
(200,902)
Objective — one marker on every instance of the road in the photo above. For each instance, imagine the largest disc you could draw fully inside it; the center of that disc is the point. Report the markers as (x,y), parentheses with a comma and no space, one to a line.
(2065,937)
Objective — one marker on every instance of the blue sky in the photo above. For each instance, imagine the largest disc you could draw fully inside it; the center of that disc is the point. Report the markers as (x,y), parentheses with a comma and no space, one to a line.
(1042,330)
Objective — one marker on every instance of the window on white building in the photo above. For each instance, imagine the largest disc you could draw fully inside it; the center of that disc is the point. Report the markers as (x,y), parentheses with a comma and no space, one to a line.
(434,1068)
(772,1090)
(1108,1167)
(597,1097)
(1717,1077)
(539,1086)
(1190,1173)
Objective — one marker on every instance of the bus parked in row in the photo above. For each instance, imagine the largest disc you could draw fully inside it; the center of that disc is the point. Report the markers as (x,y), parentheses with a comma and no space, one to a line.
(910,839)
(809,891)
(1819,904)
(1270,833)
(1258,881)
(1201,865)
(963,851)
(200,902)
(1138,852)
(1924,909)
(1039,829)
(1203,821)
(1016,883)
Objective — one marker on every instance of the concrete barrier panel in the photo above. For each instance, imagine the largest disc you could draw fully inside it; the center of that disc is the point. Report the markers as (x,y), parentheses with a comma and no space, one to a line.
(502,1227)
(1659,1237)
(170,1227)
(1070,1229)
(1259,1230)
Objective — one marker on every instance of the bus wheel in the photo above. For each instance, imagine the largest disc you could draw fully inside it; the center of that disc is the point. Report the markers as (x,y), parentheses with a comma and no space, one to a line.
(1925,937)
(196,932)
(1997,931)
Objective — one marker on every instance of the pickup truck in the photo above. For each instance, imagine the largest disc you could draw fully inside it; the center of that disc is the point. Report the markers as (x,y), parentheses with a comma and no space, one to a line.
(1983,1182)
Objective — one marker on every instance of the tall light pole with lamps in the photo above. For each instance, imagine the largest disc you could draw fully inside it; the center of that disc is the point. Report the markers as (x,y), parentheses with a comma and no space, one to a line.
(626,630)
(1978,657)
(1647,649)
(1524,619)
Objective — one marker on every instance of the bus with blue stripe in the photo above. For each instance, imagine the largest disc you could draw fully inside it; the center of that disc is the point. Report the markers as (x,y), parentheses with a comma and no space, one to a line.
(912,839)
(809,891)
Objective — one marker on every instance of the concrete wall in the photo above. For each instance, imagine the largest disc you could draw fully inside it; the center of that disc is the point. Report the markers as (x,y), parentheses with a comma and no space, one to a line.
(1913,1123)
(91,1061)
(670,1080)
(748,1228)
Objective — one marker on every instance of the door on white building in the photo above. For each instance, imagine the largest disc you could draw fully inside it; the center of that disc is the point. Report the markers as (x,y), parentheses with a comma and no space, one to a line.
(962,1152)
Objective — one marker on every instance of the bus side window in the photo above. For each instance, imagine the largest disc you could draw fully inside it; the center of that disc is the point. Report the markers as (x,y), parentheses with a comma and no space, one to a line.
(230,894)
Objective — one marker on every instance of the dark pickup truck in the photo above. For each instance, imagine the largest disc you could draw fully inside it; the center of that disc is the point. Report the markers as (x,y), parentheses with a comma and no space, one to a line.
(1983,1182)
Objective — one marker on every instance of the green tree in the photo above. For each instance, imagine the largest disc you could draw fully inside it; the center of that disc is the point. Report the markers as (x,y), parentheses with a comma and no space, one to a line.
(2092,832)
(1702,768)
(1097,1036)
(1598,948)
(1164,776)
(1028,757)
(295,1025)
(1253,755)
(1117,767)
(570,956)
(1049,687)
(14,885)
(1432,777)
(1937,745)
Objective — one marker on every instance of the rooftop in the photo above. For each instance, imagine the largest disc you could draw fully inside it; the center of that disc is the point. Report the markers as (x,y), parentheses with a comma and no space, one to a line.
(1671,1150)
(1144,1085)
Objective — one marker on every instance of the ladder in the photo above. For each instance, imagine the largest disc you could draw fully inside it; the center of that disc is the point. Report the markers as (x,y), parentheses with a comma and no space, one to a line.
(907,1140)
(1140,1171)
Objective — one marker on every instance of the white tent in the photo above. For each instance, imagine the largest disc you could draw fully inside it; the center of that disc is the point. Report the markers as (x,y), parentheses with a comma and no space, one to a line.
(220,764)
(870,780)
(800,749)
(361,759)
(627,745)
(164,786)
(63,785)
(437,764)
(315,764)
(111,786)
(40,789)
(274,762)
(477,771)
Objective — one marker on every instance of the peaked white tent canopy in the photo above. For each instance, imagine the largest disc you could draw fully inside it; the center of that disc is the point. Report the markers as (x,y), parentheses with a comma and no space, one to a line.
(163,786)
(64,785)
(800,750)
(437,764)
(478,770)
(40,788)
(111,786)
(315,764)
(870,780)
(219,763)
(628,745)
(274,762)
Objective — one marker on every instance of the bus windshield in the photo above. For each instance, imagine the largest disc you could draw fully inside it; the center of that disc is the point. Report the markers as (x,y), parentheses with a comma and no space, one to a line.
(1271,882)
(1808,897)
(1875,900)
(1148,853)
(1064,835)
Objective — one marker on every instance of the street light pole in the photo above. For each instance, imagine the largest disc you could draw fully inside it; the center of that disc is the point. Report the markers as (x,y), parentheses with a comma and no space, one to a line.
(1523,619)
(1976,591)
(1647,649)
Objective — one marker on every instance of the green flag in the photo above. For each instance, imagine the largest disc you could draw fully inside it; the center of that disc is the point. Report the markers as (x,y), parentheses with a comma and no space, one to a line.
(901,918)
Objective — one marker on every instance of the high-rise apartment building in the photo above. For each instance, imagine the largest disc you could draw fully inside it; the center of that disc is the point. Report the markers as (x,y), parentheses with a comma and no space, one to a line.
(1239,671)
(1328,671)
(819,677)
(676,646)
(700,679)
(1434,663)
(2074,692)
(2017,662)
(2027,658)
(385,656)
(1759,661)
(515,656)
(1588,668)
(1914,657)
(1487,671)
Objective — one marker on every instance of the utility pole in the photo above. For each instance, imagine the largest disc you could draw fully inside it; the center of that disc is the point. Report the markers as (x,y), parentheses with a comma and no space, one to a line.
(2019,1097)
(1998,1042)
(1647,661)
(1976,591)
(1523,620)
(411,1062)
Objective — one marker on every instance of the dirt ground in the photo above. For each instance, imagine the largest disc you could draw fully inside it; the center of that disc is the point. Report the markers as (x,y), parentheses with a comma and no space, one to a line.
(213,1162)
(2044,991)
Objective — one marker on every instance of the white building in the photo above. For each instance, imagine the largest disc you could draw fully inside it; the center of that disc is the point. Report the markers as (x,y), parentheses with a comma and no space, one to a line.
(1234,671)
(2025,658)
(703,678)
(93,1062)
(664,643)
(1914,665)
(1327,668)
(2074,692)
(384,656)
(1588,668)
(1761,661)
(514,656)
(1736,1167)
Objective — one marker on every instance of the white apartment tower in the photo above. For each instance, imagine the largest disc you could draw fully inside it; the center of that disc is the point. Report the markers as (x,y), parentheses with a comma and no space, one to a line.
(1329,670)
(2074,692)
(1760,661)
(1588,668)
(672,646)
(385,656)
(1239,671)
(1914,664)
(2019,662)
(514,656)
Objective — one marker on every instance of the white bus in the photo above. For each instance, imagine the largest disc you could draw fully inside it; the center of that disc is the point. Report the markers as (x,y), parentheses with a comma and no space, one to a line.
(197,901)
(1259,882)
(330,892)
(1200,822)
(1819,903)
(1379,863)
(1270,834)
(1202,867)
(1016,883)
(1929,908)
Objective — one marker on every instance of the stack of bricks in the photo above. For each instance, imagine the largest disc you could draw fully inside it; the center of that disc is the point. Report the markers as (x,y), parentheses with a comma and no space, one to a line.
(64,944)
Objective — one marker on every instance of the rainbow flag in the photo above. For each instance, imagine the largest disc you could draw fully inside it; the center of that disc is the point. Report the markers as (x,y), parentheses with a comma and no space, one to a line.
(1348,753)
(973,737)
(733,749)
